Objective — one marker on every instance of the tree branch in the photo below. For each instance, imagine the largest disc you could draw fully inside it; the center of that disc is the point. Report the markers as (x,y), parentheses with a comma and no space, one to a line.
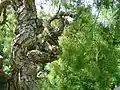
(45,54)
(41,57)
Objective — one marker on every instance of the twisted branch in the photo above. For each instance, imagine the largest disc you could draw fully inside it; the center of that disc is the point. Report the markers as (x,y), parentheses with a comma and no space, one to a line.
(49,48)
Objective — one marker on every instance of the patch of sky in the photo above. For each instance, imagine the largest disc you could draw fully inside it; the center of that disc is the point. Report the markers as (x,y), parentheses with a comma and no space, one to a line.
(46,6)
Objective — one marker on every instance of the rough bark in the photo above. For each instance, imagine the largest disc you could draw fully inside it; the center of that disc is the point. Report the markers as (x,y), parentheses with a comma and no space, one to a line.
(24,69)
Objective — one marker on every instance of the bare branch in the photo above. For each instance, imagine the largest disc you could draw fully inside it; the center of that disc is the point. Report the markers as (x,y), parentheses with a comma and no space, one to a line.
(56,32)
(41,57)
(4,17)
(60,16)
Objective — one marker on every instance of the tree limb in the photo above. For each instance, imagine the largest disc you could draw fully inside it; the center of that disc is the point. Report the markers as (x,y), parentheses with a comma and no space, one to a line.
(41,57)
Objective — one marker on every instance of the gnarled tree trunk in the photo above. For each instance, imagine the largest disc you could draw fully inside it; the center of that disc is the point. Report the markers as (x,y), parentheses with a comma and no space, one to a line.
(23,68)
(27,48)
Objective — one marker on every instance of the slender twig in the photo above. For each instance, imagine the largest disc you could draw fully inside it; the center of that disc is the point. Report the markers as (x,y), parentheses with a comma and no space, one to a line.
(8,26)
